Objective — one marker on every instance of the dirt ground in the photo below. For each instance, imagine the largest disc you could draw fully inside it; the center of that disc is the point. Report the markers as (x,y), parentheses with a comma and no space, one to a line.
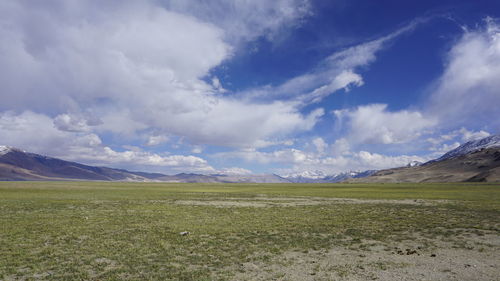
(409,260)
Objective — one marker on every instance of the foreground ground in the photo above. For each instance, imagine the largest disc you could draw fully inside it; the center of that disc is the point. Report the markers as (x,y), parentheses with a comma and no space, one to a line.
(131,231)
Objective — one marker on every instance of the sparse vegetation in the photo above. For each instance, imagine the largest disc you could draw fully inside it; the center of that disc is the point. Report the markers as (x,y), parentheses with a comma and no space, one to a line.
(131,231)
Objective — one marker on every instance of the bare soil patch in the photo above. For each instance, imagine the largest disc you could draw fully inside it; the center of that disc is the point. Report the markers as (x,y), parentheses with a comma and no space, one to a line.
(409,260)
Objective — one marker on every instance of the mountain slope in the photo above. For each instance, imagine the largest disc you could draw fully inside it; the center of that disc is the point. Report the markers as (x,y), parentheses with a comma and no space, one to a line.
(16,164)
(472,146)
(473,161)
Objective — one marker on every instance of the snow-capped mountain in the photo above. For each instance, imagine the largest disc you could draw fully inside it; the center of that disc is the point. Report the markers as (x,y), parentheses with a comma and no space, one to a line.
(414,163)
(349,175)
(4,149)
(320,177)
(471,146)
(305,176)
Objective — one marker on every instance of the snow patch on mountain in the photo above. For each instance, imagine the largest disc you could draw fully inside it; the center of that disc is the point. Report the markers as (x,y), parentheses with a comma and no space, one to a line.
(471,146)
(414,163)
(4,149)
(320,177)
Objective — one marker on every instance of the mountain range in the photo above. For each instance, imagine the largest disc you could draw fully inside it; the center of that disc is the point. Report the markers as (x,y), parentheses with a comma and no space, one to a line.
(476,161)
(473,161)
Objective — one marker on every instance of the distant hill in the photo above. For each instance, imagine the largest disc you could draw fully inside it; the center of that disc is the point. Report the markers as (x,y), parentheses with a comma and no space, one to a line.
(16,164)
(472,161)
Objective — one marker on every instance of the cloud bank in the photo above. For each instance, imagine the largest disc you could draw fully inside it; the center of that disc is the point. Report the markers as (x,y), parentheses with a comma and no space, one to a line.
(82,81)
(129,68)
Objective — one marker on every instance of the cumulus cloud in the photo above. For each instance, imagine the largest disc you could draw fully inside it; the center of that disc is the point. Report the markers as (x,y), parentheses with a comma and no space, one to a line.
(341,147)
(467,93)
(291,155)
(75,123)
(134,159)
(72,71)
(35,132)
(466,96)
(65,53)
(235,171)
(374,124)
(320,145)
(140,65)
(300,161)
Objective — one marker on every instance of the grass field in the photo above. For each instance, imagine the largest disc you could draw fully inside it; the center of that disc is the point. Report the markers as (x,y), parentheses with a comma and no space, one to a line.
(131,231)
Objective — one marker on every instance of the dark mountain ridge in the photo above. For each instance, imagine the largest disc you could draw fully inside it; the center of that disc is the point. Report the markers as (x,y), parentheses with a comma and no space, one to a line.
(16,164)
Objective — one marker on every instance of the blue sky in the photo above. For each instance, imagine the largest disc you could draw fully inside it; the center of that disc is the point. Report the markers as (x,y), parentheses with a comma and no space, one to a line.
(286,86)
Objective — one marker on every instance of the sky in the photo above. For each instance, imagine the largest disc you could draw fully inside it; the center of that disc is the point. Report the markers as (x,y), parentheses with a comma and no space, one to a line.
(248,86)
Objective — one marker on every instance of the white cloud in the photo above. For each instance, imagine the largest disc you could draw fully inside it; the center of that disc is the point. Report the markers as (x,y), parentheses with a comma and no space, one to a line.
(291,155)
(341,147)
(140,159)
(379,161)
(156,140)
(232,123)
(320,145)
(336,72)
(72,123)
(217,85)
(267,143)
(443,148)
(129,67)
(445,142)
(471,135)
(245,20)
(300,161)
(83,53)
(235,171)
(135,65)
(467,93)
(36,133)
(197,149)
(344,80)
(374,124)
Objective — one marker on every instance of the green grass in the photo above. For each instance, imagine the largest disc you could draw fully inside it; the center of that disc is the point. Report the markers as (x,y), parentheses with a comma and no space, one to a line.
(130,231)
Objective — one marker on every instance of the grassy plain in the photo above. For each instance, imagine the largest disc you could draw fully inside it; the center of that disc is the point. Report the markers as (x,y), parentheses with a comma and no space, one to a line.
(130,231)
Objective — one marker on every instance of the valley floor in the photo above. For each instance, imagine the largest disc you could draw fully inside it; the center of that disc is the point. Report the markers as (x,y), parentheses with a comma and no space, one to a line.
(133,231)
